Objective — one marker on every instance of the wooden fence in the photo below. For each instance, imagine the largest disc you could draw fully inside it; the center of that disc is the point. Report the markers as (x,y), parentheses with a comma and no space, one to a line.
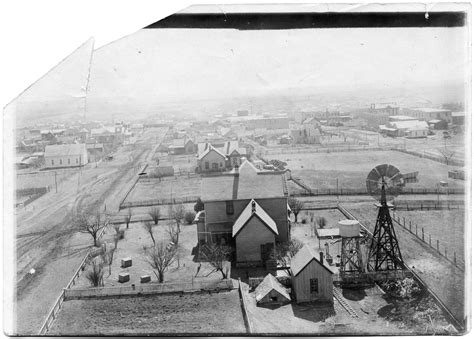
(248,326)
(441,159)
(132,186)
(457,323)
(425,237)
(157,202)
(427,205)
(148,289)
(59,301)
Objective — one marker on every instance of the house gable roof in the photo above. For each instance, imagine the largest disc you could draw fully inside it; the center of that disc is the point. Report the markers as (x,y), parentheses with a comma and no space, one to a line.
(253,209)
(64,150)
(303,258)
(267,285)
(209,150)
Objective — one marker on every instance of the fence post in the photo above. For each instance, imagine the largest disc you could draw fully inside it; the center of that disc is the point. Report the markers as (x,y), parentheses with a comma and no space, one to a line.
(416,229)
(445,252)
(437,245)
(403,221)
(423,233)
(410,225)
(430,240)
(454,257)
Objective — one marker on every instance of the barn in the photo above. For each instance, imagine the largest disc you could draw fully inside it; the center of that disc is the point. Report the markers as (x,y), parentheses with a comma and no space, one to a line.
(270,291)
(311,277)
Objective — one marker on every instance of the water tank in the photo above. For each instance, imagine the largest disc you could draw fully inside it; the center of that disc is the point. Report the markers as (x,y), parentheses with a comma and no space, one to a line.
(349,228)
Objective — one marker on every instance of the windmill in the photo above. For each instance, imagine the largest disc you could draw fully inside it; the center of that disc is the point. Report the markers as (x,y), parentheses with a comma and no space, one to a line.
(384,183)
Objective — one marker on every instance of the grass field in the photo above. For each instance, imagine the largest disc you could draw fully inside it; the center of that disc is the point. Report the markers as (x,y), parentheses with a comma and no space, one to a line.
(215,313)
(350,169)
(447,226)
(166,188)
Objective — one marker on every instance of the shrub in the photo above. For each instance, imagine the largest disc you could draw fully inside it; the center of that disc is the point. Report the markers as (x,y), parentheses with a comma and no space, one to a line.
(96,274)
(304,221)
(189,217)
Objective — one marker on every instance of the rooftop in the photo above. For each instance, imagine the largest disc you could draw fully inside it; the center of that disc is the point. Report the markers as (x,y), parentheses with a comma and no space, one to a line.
(268,284)
(304,256)
(64,150)
(253,209)
(247,183)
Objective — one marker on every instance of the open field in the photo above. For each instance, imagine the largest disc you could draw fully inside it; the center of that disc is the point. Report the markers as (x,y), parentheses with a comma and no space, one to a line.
(444,279)
(446,226)
(166,188)
(181,163)
(377,314)
(350,169)
(189,313)
(136,237)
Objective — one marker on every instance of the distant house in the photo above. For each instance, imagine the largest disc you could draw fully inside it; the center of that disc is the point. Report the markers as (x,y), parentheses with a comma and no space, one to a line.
(270,291)
(70,155)
(438,124)
(427,114)
(285,140)
(308,132)
(228,133)
(245,208)
(220,156)
(407,128)
(458,118)
(182,146)
(311,278)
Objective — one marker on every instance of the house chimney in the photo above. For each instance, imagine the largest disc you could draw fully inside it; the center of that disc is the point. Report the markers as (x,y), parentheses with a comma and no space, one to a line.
(253,206)
(321,257)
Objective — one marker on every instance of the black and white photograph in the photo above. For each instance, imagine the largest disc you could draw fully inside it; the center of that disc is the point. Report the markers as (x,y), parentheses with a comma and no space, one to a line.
(244,170)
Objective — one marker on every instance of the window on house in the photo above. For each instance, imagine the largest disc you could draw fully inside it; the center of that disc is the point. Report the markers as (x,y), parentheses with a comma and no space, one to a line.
(60,161)
(221,164)
(77,161)
(206,165)
(229,206)
(274,299)
(68,161)
(313,285)
(214,165)
(52,162)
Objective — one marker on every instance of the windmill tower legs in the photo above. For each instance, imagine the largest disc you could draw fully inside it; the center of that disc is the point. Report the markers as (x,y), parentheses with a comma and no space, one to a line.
(384,252)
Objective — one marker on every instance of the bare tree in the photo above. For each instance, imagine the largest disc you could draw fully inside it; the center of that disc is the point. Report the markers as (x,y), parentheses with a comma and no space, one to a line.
(218,257)
(287,250)
(160,257)
(90,224)
(128,217)
(96,274)
(176,213)
(321,221)
(447,154)
(108,257)
(173,232)
(296,206)
(155,214)
(149,228)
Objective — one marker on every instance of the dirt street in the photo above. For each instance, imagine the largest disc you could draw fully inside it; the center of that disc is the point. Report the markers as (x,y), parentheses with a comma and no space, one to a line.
(46,241)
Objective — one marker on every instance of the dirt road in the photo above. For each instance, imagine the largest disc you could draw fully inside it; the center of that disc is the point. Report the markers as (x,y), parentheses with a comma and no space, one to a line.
(46,241)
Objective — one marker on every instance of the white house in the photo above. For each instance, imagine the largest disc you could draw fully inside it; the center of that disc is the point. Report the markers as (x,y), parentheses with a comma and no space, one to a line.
(68,155)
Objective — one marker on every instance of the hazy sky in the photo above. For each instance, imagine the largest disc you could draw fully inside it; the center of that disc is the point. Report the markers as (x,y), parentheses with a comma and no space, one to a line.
(160,65)
(204,63)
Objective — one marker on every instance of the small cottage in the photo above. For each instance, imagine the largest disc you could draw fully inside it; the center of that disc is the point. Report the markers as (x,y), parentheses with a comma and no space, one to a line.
(270,291)
(311,277)
(69,155)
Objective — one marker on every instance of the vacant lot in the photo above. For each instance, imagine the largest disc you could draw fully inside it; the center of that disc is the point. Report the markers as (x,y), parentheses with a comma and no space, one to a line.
(215,313)
(350,169)
(446,226)
(167,188)
(377,315)
(136,238)
(442,277)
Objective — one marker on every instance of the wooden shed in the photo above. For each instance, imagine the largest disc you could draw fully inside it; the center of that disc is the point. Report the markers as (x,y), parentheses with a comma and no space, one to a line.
(270,291)
(311,278)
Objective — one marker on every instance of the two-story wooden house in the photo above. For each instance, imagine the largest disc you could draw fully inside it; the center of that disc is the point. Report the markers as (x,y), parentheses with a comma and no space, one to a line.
(247,209)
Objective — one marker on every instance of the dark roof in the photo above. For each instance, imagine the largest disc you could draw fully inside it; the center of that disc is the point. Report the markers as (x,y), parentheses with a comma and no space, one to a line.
(267,285)
(304,256)
(248,213)
(247,183)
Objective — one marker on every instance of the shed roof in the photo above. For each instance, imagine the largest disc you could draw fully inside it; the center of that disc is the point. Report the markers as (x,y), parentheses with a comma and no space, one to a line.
(304,256)
(64,150)
(253,209)
(267,285)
